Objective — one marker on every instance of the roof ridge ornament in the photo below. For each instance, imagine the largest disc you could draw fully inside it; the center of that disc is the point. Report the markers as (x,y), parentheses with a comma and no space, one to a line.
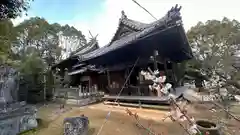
(124,16)
(174,12)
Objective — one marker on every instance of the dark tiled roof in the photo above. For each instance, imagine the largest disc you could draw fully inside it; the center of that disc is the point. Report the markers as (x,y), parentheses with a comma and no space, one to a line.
(171,19)
(88,48)
(91,46)
(132,24)
(171,14)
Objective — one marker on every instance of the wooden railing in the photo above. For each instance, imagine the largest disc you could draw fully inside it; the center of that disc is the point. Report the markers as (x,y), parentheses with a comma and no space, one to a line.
(75,93)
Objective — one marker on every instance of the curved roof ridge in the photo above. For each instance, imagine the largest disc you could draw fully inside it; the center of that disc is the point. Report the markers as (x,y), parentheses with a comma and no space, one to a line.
(132,23)
(91,46)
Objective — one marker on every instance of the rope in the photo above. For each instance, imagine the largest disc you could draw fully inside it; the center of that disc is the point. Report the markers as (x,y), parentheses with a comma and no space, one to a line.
(144,9)
(109,113)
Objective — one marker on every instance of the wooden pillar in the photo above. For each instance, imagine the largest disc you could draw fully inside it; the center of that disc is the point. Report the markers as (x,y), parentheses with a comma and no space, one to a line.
(139,92)
(79,91)
(89,87)
(155,54)
(174,68)
(126,75)
(108,78)
(118,103)
(139,83)
(140,104)
(78,96)
(83,91)
(165,67)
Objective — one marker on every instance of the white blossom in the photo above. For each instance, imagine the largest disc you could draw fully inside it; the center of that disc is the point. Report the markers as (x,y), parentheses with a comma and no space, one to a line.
(166,88)
(175,113)
(156,72)
(193,129)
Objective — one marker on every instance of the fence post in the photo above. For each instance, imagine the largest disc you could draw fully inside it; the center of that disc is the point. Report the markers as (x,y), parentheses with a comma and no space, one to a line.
(140,104)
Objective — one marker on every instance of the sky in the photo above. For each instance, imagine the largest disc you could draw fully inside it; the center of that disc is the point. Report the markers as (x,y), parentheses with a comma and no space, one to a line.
(102,16)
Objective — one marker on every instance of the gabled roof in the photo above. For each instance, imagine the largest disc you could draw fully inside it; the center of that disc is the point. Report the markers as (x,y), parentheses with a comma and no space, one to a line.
(166,35)
(127,26)
(132,23)
(91,46)
(169,23)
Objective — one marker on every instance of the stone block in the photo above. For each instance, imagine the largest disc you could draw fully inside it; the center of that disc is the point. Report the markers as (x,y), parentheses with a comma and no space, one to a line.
(76,125)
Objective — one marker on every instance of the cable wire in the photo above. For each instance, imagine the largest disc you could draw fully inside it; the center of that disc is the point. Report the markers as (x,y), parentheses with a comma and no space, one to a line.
(109,113)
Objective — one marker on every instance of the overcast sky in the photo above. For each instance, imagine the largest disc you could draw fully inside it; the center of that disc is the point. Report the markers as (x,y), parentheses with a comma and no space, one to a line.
(102,16)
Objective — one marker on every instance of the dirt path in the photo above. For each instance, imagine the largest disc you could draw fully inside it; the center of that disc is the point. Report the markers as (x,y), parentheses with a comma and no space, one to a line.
(55,127)
(119,122)
(147,114)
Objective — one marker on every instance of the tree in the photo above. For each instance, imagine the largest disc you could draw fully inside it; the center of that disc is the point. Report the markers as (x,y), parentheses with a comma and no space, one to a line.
(38,41)
(71,39)
(33,47)
(38,48)
(37,35)
(13,8)
(214,44)
(7,37)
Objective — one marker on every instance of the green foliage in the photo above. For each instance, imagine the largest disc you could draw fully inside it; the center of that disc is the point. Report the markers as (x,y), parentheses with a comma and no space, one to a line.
(32,64)
(39,37)
(7,35)
(13,8)
(33,47)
